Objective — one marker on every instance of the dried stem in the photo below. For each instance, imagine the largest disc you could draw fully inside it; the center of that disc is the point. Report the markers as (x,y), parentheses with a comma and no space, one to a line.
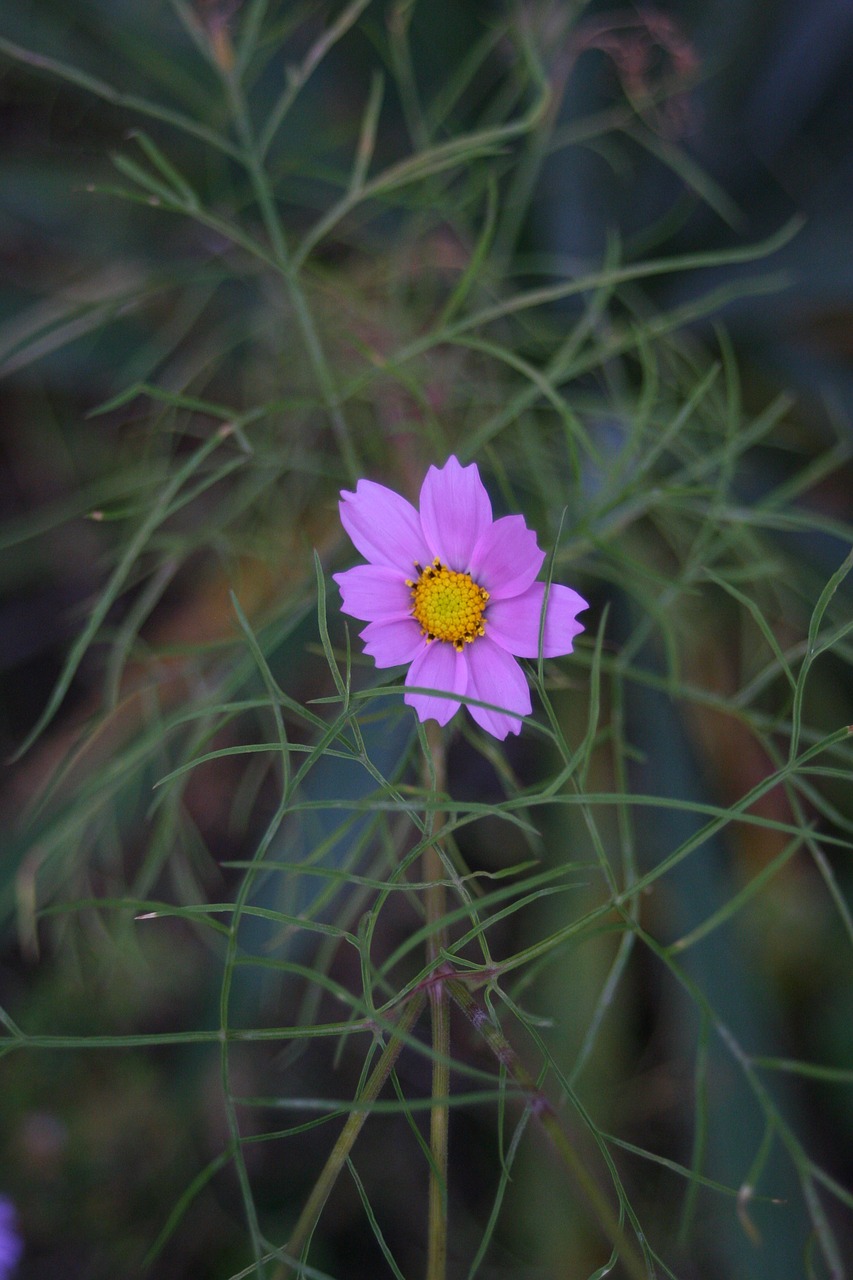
(543,1110)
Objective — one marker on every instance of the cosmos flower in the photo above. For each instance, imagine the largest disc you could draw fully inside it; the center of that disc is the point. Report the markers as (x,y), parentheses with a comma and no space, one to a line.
(11,1245)
(452,592)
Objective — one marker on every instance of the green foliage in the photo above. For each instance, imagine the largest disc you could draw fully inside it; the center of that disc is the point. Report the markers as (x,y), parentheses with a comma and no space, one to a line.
(312,259)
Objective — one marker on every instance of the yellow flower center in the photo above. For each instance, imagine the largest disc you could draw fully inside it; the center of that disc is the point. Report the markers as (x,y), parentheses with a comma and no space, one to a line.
(448,605)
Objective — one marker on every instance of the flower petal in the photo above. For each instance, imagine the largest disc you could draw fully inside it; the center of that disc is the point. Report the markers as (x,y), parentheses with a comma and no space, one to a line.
(374,592)
(455,512)
(494,676)
(506,558)
(440,667)
(514,624)
(391,643)
(384,527)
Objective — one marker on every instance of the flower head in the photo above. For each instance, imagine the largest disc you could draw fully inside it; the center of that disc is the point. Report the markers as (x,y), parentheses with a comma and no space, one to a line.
(11,1245)
(452,592)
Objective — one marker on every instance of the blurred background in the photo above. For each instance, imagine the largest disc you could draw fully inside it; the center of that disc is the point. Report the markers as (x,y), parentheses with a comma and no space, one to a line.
(169,435)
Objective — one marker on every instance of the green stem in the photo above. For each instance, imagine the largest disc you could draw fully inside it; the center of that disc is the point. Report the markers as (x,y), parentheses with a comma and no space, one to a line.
(253,161)
(436,910)
(322,373)
(340,1152)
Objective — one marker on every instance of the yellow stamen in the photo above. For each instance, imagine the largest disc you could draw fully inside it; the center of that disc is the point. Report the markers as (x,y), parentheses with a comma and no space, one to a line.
(448,605)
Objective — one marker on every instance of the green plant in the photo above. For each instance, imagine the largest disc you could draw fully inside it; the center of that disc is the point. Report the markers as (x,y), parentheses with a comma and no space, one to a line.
(238,837)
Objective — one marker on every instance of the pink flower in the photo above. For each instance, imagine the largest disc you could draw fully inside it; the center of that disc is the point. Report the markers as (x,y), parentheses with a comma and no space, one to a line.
(451,591)
(11,1244)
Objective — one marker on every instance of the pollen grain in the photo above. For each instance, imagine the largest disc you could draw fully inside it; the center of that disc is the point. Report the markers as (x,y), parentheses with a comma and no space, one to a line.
(448,605)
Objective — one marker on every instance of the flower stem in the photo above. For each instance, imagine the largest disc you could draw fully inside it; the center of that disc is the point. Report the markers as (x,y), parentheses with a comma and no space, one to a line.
(436,907)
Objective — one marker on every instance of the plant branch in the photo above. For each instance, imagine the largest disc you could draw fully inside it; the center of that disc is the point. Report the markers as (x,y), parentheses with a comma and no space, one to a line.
(545,1113)
(342,1148)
